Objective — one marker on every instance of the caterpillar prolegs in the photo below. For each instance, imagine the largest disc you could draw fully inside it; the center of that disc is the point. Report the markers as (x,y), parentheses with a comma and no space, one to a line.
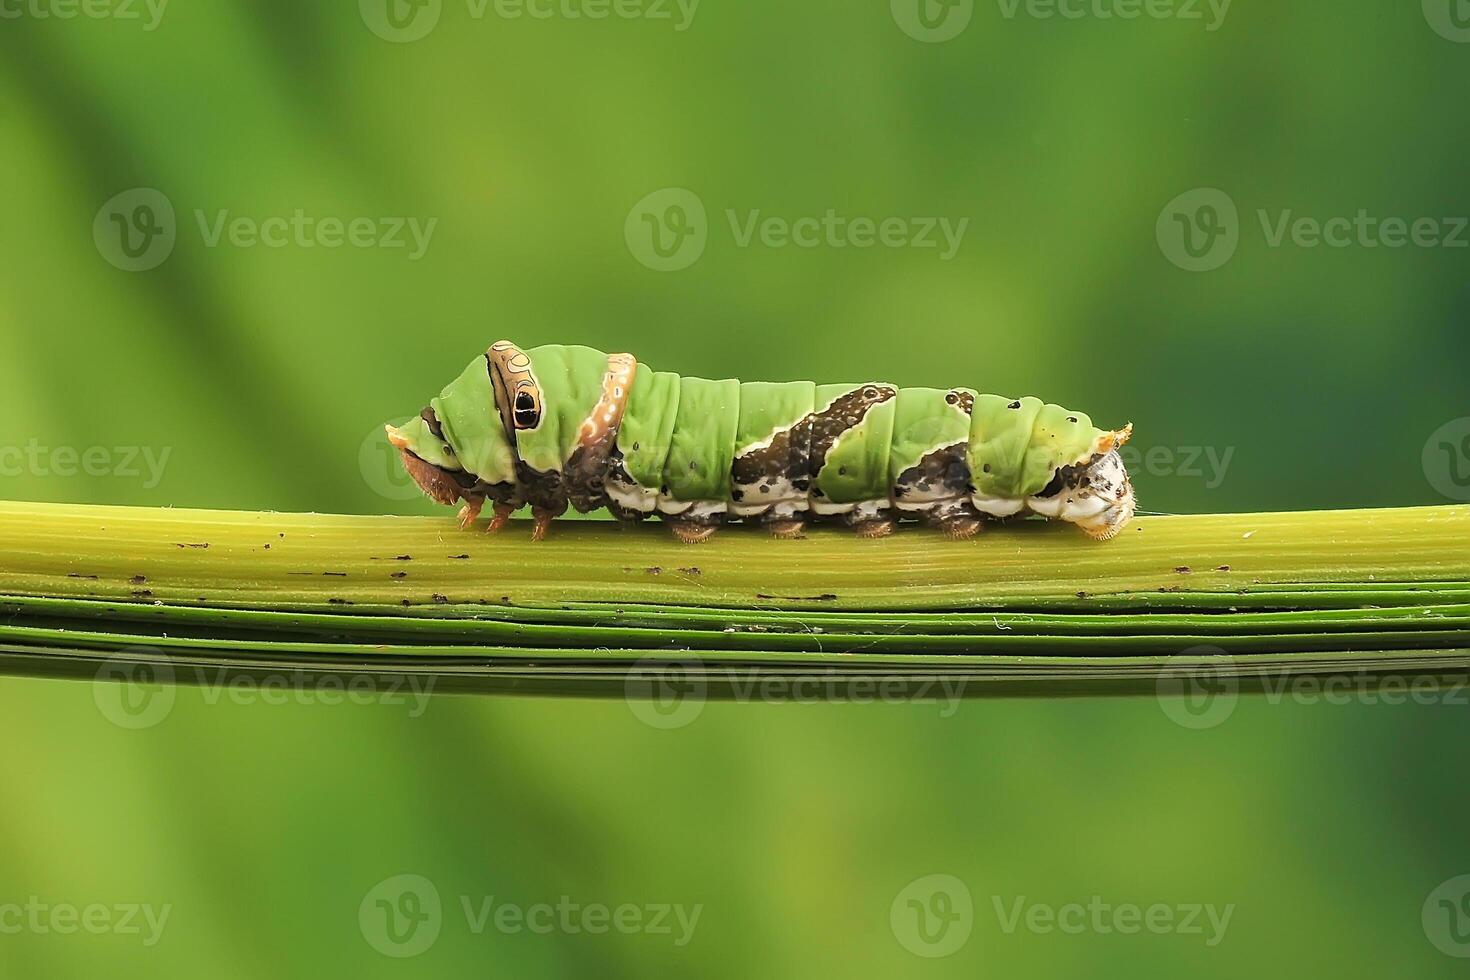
(560,426)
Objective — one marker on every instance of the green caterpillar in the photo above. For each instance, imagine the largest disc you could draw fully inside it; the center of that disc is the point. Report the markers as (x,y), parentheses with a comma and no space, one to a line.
(557,426)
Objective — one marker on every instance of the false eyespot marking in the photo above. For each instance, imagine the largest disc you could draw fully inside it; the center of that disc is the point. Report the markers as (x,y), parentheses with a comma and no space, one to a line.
(511,370)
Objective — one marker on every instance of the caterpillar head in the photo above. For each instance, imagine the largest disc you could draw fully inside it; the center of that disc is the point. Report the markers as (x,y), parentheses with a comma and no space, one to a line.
(429,459)
(1096,494)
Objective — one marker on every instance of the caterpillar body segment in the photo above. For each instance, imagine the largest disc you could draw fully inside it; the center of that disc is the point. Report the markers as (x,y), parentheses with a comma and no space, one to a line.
(559,426)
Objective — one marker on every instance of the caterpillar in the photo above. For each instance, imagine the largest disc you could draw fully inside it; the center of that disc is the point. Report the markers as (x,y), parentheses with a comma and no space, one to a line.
(558,426)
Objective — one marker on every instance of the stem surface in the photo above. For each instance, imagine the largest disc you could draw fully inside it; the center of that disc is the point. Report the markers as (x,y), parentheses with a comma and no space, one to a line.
(1026,606)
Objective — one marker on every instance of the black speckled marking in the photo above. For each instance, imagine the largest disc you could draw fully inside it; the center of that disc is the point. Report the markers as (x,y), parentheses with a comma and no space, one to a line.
(587,471)
(945,471)
(757,475)
(845,413)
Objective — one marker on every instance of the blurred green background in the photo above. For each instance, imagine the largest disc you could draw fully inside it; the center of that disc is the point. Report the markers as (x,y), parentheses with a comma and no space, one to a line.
(173,366)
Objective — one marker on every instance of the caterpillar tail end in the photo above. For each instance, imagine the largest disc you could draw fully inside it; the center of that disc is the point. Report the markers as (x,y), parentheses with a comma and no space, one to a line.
(1096,496)
(1110,523)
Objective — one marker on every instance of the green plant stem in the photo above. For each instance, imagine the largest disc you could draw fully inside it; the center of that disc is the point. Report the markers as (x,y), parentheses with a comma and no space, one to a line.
(1024,603)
